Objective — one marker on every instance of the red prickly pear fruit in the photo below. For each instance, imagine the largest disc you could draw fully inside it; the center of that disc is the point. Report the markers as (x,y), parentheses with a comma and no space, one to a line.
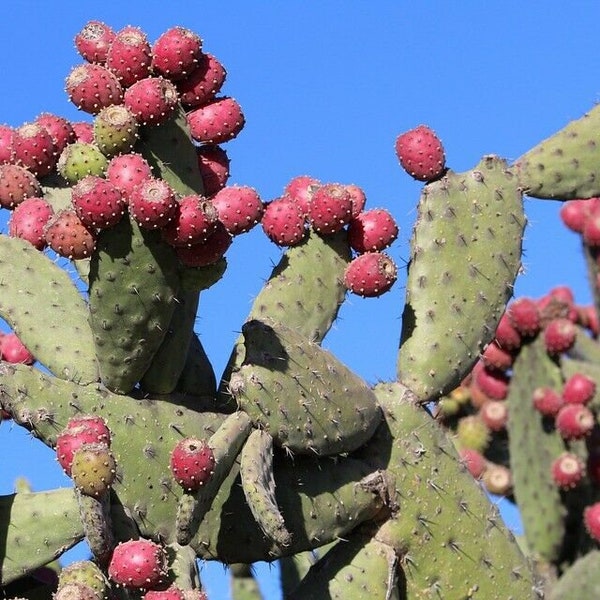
(68,236)
(591,520)
(126,171)
(29,219)
(192,463)
(115,130)
(588,317)
(176,53)
(330,208)
(84,132)
(359,199)
(151,100)
(301,190)
(474,461)
(213,163)
(370,275)
(506,336)
(574,214)
(208,252)
(75,591)
(60,129)
(80,159)
(152,203)
(574,421)
(34,149)
(216,122)
(524,316)
(496,357)
(421,153)
(93,422)
(129,56)
(7,151)
(563,293)
(201,85)
(14,351)
(194,595)
(239,207)
(494,413)
(591,227)
(97,202)
(93,41)
(70,439)
(93,469)
(559,335)
(567,470)
(283,222)
(193,222)
(16,184)
(497,479)
(91,87)
(171,593)
(138,564)
(372,231)
(578,389)
(547,401)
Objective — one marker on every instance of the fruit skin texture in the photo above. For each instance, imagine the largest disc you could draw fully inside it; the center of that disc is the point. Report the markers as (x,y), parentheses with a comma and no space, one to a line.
(93,41)
(138,564)
(574,421)
(91,87)
(73,437)
(524,316)
(151,100)
(559,335)
(591,519)
(240,208)
(14,351)
(68,236)
(29,219)
(193,222)
(216,122)
(547,401)
(171,593)
(129,55)
(370,275)
(567,470)
(192,463)
(203,84)
(16,184)
(60,129)
(208,252)
(372,231)
(176,53)
(330,208)
(421,153)
(97,202)
(578,389)
(283,222)
(93,469)
(474,461)
(152,203)
(34,149)
(80,159)
(6,144)
(125,171)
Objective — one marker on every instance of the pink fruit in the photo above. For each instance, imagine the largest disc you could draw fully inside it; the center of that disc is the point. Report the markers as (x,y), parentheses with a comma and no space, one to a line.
(372,231)
(201,85)
(68,236)
(216,122)
(129,56)
(493,383)
(507,337)
(494,413)
(7,151)
(524,316)
(547,401)
(16,184)
(371,274)
(359,199)
(91,87)
(152,203)
(240,208)
(94,422)
(283,222)
(574,214)
(474,461)
(578,389)
(176,53)
(93,41)
(567,470)
(591,520)
(496,357)
(213,163)
(138,564)
(84,132)
(330,208)
(591,227)
(97,202)
(152,100)
(171,593)
(301,190)
(559,335)
(34,149)
(193,222)
(29,220)
(574,421)
(421,153)
(14,351)
(60,129)
(70,439)
(192,463)
(208,252)
(126,171)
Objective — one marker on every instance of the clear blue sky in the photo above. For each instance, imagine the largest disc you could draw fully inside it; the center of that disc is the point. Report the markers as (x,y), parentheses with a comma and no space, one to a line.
(326,87)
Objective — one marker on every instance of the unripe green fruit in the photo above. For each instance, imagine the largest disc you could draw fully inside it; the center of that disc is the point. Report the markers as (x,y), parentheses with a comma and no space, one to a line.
(93,469)
(80,159)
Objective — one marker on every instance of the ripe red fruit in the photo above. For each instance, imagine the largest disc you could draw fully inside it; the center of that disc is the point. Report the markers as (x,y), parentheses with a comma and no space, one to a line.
(97,202)
(93,41)
(194,221)
(496,357)
(68,236)
(574,214)
(372,231)
(152,203)
(201,85)
(34,149)
(192,463)
(493,383)
(94,422)
(126,171)
(28,221)
(421,153)
(591,520)
(494,413)
(216,122)
(370,275)
(559,335)
(474,461)
(16,184)
(240,208)
(301,190)
(524,316)
(567,470)
(14,351)
(578,389)
(171,593)
(283,221)
(6,144)
(359,199)
(507,337)
(91,87)
(138,564)
(330,208)
(84,132)
(151,100)
(60,129)
(71,439)
(129,56)
(213,163)
(547,401)
(591,226)
(208,252)
(176,53)
(574,421)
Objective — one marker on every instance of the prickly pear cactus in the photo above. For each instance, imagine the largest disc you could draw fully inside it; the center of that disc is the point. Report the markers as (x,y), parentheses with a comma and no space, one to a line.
(358,490)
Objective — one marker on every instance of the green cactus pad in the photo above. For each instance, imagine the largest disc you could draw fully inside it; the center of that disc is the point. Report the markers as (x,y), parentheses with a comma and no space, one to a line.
(293,569)
(566,165)
(581,580)
(359,567)
(258,483)
(41,303)
(36,528)
(452,540)
(301,394)
(465,256)
(243,584)
(198,376)
(95,516)
(533,447)
(133,283)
